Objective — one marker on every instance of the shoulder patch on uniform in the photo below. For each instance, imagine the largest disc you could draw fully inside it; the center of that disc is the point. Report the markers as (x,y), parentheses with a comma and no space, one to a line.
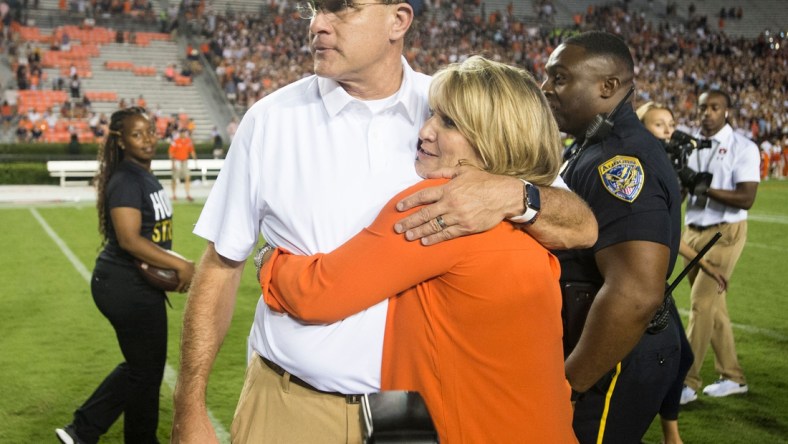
(623,177)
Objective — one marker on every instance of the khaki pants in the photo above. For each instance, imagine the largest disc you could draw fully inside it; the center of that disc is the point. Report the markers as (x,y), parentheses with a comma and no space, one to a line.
(272,410)
(709,322)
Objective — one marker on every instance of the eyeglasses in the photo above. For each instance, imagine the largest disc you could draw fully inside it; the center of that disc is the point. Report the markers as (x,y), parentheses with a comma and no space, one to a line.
(309,9)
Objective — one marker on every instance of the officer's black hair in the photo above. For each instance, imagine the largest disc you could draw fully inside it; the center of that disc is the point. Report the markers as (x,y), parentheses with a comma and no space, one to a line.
(599,43)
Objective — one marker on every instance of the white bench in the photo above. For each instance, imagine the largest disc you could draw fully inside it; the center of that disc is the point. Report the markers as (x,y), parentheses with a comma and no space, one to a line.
(86,169)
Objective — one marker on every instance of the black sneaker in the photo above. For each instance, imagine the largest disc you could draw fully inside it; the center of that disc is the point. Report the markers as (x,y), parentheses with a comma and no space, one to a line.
(68,435)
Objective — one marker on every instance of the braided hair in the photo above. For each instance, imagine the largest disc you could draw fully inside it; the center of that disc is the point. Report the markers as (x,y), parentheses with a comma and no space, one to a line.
(110,155)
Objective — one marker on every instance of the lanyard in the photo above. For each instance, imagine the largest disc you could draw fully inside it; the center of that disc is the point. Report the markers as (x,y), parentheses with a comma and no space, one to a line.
(713,151)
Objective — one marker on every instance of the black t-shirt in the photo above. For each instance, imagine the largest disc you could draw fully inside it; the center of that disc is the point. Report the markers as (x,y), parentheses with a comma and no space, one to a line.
(133,186)
(632,189)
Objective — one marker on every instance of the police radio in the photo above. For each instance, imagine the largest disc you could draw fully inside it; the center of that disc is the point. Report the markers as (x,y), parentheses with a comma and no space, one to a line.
(660,320)
(602,124)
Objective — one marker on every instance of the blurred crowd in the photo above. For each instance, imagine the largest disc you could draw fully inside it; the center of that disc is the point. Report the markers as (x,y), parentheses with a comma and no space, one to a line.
(256,53)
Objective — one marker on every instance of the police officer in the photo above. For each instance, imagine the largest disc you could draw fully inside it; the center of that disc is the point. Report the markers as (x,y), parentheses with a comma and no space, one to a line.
(618,371)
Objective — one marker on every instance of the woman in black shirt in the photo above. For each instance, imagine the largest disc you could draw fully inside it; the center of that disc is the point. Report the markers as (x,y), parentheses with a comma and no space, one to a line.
(135,221)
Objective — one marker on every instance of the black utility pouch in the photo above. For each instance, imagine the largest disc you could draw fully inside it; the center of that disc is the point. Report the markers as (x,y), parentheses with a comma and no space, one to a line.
(577,300)
(396,417)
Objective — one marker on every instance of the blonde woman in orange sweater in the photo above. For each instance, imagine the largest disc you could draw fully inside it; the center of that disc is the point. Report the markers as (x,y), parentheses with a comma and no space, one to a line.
(474,324)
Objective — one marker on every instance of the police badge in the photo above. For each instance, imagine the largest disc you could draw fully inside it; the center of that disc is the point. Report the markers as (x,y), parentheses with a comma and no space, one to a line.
(623,177)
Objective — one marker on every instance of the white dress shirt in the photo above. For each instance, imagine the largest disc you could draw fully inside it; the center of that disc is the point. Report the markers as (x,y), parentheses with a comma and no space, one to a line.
(731,159)
(309,167)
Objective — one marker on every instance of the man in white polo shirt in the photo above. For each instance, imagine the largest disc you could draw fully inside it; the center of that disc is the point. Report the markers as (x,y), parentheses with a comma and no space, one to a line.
(310,166)
(734,162)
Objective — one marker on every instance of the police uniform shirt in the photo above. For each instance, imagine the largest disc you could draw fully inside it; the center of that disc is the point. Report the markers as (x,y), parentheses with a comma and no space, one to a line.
(632,189)
(133,186)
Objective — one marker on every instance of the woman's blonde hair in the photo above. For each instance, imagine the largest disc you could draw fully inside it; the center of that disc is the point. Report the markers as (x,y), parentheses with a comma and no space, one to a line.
(504,115)
(648,106)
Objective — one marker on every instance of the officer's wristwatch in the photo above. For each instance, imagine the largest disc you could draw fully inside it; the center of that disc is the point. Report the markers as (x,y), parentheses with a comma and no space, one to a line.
(531,202)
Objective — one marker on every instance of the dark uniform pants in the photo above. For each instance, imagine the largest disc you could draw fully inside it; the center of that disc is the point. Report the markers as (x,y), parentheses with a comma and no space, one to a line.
(138,314)
(671,403)
(620,407)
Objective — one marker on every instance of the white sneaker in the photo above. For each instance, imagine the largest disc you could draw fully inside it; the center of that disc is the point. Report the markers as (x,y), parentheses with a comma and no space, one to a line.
(687,395)
(724,387)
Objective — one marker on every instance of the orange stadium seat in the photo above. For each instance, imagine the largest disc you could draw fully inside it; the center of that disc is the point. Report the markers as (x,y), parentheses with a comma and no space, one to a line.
(183,80)
(56,137)
(144,71)
(144,38)
(102,96)
(81,72)
(61,126)
(119,65)
(86,137)
(40,100)
(97,35)
(33,34)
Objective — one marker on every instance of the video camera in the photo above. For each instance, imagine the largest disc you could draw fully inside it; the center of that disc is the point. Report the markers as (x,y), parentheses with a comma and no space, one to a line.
(678,149)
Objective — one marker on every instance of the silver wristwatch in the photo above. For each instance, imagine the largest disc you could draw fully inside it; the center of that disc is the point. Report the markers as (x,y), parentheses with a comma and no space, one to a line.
(258,257)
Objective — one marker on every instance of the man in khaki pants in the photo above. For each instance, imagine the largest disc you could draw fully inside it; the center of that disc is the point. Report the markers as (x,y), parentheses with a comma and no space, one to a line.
(733,160)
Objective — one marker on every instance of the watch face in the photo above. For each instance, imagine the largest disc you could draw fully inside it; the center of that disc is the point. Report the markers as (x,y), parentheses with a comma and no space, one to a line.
(534,201)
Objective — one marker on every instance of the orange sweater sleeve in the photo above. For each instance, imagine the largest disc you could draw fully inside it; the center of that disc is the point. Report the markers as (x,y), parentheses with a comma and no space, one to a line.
(372,266)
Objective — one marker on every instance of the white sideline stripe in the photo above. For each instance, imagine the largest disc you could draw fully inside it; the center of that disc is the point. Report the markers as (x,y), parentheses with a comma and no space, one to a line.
(751,329)
(169,373)
(767,246)
(773,218)
(83,271)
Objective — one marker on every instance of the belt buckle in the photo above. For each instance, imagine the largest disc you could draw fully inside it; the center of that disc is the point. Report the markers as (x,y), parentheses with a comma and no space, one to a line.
(353,399)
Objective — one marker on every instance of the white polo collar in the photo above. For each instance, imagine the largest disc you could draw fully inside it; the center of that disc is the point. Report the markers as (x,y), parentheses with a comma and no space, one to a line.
(335,98)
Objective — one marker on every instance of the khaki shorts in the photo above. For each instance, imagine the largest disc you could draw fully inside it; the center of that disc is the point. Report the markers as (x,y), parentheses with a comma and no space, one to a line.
(181,169)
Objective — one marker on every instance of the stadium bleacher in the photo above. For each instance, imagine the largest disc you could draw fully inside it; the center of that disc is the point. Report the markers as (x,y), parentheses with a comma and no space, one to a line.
(250,61)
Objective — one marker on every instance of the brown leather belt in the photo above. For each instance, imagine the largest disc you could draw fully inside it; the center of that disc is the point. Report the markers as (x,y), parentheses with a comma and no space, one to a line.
(350,399)
(705,227)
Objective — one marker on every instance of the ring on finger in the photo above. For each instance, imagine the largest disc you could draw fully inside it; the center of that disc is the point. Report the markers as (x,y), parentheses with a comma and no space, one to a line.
(440,222)
(434,225)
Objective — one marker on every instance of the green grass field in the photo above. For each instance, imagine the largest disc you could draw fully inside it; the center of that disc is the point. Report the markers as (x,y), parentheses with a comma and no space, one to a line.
(55,346)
